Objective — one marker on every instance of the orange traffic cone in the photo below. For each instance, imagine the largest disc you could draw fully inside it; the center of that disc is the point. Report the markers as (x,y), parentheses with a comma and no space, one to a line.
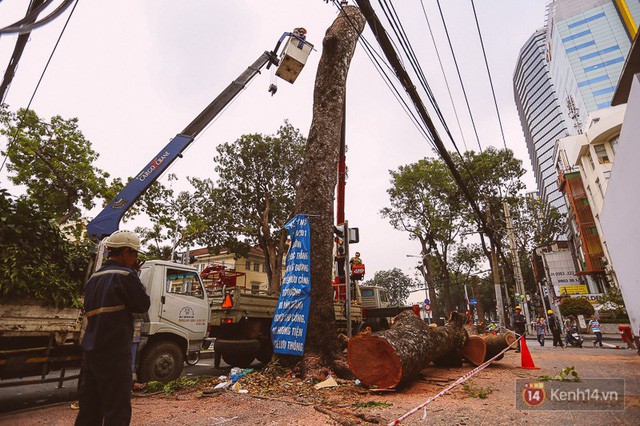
(525,356)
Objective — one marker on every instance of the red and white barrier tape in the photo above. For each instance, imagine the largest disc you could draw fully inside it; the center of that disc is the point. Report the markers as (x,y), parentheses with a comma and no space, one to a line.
(462,379)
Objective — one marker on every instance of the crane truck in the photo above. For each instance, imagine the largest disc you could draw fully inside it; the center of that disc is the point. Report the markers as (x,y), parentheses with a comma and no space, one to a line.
(37,339)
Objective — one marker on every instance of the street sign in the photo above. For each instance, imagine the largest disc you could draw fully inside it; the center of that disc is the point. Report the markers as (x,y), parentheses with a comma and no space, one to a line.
(427,307)
(473,301)
(427,301)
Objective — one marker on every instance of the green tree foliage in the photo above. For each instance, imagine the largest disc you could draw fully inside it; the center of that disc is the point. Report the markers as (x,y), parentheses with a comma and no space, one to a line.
(426,202)
(576,306)
(55,163)
(37,261)
(397,284)
(253,197)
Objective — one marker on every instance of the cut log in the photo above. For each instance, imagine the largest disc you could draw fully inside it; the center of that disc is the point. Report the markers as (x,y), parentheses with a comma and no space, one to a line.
(496,343)
(475,350)
(390,358)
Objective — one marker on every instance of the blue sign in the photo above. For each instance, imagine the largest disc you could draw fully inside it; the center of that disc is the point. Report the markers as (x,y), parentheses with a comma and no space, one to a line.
(427,301)
(473,301)
(289,326)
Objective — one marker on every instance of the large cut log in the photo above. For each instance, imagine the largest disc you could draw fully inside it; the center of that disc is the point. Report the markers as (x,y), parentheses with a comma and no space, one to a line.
(475,351)
(496,343)
(390,358)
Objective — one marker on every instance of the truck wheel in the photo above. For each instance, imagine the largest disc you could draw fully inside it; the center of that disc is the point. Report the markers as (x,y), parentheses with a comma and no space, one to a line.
(238,360)
(265,352)
(161,362)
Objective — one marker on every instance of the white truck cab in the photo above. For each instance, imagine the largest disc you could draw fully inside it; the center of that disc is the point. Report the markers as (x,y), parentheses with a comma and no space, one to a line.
(177,321)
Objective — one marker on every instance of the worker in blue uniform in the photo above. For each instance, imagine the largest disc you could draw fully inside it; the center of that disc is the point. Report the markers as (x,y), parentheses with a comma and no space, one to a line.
(111,295)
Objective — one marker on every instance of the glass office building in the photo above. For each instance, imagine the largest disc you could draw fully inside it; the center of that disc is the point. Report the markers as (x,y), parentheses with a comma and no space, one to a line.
(567,70)
(540,115)
(588,42)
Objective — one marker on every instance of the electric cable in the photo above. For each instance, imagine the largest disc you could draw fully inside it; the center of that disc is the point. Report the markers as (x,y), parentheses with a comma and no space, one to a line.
(371,54)
(455,61)
(21,26)
(444,74)
(37,85)
(486,63)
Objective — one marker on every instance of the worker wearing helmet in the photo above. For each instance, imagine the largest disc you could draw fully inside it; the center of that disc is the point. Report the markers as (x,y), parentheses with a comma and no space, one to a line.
(111,295)
(554,327)
(519,324)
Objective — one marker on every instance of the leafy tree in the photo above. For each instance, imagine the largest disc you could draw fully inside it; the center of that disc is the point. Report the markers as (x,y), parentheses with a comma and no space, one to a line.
(37,261)
(55,163)
(253,197)
(426,202)
(397,284)
(576,306)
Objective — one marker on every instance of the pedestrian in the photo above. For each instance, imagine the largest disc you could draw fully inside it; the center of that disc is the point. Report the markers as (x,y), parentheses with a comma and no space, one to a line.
(554,327)
(568,325)
(111,295)
(594,325)
(540,330)
(519,325)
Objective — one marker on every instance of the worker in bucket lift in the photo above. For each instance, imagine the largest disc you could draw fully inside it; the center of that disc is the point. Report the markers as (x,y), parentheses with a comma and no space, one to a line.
(300,32)
(355,260)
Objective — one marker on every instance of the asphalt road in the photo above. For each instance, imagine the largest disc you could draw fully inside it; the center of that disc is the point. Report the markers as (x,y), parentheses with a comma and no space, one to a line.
(26,397)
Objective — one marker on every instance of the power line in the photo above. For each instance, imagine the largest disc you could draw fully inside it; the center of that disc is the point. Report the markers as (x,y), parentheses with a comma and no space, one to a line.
(455,61)
(37,86)
(444,74)
(486,63)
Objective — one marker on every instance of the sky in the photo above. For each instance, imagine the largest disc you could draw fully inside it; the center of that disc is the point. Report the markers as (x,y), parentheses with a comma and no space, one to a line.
(136,73)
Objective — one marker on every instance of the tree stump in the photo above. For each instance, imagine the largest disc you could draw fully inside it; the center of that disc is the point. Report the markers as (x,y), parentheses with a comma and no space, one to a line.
(390,358)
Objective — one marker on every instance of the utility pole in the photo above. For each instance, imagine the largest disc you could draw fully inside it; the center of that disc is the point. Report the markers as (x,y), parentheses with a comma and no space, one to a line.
(347,278)
(517,272)
(498,287)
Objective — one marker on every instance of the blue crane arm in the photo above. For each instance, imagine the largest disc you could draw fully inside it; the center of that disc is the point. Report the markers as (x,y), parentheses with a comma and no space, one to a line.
(108,220)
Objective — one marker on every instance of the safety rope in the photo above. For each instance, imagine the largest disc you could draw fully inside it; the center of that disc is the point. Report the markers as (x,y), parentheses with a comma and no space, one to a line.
(462,379)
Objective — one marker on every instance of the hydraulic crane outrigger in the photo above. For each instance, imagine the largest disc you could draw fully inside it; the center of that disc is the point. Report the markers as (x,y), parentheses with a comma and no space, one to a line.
(291,63)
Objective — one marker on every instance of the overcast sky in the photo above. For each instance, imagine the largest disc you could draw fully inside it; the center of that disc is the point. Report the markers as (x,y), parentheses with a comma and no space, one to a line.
(136,73)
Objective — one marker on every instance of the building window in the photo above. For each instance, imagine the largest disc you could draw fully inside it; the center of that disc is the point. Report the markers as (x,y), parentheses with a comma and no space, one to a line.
(593,230)
(264,268)
(247,265)
(613,142)
(593,166)
(256,267)
(601,152)
(599,187)
(607,174)
(255,288)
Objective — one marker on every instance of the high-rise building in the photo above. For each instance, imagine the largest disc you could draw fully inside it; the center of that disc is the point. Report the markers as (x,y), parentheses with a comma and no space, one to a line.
(587,43)
(540,115)
(567,70)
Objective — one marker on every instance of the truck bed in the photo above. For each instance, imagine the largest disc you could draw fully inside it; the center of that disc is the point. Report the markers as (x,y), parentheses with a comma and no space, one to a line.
(31,319)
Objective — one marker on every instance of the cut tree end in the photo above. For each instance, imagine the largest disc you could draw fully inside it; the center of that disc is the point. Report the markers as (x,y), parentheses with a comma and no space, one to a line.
(374,361)
(475,350)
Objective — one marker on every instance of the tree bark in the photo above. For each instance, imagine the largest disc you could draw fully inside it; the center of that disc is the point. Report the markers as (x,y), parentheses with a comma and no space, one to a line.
(316,190)
(391,358)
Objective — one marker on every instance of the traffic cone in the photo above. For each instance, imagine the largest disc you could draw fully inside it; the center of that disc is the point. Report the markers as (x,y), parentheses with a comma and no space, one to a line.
(525,356)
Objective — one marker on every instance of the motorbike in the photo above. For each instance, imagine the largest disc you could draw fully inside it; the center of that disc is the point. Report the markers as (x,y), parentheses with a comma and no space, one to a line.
(575,339)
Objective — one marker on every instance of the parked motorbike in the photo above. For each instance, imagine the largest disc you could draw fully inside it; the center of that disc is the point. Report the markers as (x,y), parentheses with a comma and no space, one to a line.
(575,339)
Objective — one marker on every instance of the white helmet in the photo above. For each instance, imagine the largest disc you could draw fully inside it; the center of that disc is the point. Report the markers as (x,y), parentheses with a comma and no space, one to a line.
(124,239)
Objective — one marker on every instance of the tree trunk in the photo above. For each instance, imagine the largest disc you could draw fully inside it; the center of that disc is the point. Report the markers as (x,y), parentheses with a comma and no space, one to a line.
(496,343)
(475,351)
(476,292)
(316,190)
(390,358)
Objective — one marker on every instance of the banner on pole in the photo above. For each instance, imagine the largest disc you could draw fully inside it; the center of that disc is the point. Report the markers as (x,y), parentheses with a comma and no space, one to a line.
(289,325)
